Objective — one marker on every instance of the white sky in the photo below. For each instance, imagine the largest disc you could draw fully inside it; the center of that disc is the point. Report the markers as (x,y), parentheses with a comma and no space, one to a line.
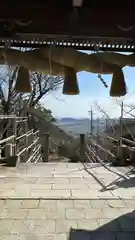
(78,106)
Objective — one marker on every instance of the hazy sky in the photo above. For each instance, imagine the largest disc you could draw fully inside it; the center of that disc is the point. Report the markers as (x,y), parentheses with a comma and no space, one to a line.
(91,89)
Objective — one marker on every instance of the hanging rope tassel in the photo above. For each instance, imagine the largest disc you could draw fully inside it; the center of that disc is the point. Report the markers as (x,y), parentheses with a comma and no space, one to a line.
(70,86)
(99,75)
(102,80)
(23,80)
(118,85)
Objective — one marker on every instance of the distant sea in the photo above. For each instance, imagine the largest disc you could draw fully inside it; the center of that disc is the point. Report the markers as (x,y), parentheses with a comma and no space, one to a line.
(83,125)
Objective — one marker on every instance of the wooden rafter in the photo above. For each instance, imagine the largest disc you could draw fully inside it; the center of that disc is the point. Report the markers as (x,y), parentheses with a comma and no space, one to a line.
(92,22)
(118,45)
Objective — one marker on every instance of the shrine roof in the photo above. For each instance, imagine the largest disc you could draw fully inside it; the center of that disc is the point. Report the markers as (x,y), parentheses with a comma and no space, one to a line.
(81,24)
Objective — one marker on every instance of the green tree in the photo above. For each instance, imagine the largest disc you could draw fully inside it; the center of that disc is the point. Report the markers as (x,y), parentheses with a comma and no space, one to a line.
(44,113)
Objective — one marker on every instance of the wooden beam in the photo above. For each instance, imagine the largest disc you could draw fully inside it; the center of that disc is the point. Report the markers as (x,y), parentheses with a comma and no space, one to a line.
(77,3)
(61,27)
(95,20)
(99,15)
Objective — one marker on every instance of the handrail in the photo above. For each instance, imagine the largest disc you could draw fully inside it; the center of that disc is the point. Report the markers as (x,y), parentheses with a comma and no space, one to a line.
(38,148)
(7,139)
(11,117)
(20,121)
(22,136)
(33,143)
(103,149)
(26,147)
(22,151)
(30,132)
(109,137)
(127,140)
(25,134)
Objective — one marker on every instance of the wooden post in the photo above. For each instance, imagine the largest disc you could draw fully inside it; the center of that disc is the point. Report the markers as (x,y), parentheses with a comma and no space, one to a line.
(0,151)
(82,146)
(38,142)
(17,151)
(97,137)
(119,150)
(91,122)
(46,148)
(30,138)
(26,142)
(119,147)
(121,123)
(8,150)
(15,133)
(106,124)
(10,159)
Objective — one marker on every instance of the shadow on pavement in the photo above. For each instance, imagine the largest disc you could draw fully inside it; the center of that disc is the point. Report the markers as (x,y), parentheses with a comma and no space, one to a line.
(121,228)
(125,183)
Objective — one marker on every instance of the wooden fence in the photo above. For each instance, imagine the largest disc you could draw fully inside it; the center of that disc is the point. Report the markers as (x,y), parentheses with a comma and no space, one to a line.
(125,152)
(22,145)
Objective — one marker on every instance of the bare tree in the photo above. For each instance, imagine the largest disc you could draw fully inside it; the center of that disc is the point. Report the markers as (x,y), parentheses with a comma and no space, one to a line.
(13,102)
(131,108)
(41,85)
(105,114)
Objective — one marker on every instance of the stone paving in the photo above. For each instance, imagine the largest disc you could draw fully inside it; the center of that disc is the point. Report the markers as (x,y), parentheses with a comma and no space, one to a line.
(65,201)
(67,181)
(53,219)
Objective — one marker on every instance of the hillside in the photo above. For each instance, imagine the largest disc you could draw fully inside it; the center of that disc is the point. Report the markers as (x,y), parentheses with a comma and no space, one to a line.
(70,148)
(67,120)
(56,134)
(61,133)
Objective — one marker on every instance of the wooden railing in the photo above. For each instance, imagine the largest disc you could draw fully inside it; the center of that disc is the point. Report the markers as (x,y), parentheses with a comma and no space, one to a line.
(24,146)
(31,149)
(124,149)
